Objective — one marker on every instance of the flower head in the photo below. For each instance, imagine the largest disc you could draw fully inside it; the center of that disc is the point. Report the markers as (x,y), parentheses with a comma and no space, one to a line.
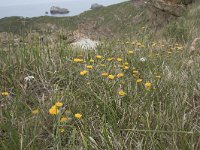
(78,115)
(35,111)
(119,59)
(84,72)
(78,60)
(138,80)
(63,119)
(98,56)
(91,60)
(53,110)
(58,104)
(89,67)
(148,85)
(158,77)
(111,77)
(130,52)
(62,130)
(143,59)
(120,75)
(104,74)
(4,93)
(28,78)
(121,93)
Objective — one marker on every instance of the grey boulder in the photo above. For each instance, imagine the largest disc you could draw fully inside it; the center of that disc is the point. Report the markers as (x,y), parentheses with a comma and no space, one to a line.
(58,10)
(95,6)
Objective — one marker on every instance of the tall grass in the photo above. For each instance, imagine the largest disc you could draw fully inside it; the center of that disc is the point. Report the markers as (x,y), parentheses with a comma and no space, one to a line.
(164,117)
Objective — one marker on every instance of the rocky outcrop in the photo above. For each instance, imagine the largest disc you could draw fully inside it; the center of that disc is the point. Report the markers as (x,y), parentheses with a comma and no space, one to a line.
(95,6)
(167,6)
(58,10)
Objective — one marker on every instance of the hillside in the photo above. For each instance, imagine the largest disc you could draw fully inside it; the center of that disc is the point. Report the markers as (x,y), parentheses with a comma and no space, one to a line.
(138,89)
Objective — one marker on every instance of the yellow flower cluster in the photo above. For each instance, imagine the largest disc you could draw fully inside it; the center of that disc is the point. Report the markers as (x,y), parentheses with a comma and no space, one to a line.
(54,110)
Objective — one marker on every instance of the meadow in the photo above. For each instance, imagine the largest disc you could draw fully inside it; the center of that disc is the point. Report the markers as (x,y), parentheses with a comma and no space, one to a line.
(126,94)
(131,92)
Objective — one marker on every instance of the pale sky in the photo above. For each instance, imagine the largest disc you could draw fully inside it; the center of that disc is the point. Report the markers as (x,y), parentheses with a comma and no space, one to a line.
(28,2)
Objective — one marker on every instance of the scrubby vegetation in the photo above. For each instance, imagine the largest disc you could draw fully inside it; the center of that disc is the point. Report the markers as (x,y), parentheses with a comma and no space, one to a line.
(133,92)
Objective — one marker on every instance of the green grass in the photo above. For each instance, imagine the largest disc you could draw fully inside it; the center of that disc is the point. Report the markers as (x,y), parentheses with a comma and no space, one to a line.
(164,117)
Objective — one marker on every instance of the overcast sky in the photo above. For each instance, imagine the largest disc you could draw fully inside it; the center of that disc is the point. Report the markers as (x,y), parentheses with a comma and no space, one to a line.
(28,2)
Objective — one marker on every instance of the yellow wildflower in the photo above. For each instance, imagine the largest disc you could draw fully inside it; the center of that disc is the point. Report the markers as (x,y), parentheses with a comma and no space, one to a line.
(62,130)
(154,44)
(84,72)
(135,72)
(58,104)
(126,63)
(91,60)
(78,60)
(78,115)
(121,93)
(63,119)
(98,56)
(111,77)
(138,80)
(126,67)
(130,52)
(104,74)
(35,111)
(53,110)
(148,85)
(110,59)
(119,59)
(4,93)
(120,75)
(102,65)
(89,67)
(158,77)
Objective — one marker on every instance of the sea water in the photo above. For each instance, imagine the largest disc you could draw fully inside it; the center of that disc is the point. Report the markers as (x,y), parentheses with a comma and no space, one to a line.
(35,8)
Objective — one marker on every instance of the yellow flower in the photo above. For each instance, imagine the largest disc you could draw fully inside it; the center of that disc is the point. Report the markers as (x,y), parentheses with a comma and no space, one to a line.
(84,72)
(35,111)
(126,67)
(148,85)
(130,52)
(91,60)
(158,77)
(4,93)
(135,72)
(78,60)
(154,44)
(110,59)
(78,115)
(58,104)
(138,80)
(98,56)
(89,67)
(119,59)
(63,119)
(121,93)
(53,110)
(120,75)
(111,76)
(104,74)
(126,63)
(62,130)
(102,65)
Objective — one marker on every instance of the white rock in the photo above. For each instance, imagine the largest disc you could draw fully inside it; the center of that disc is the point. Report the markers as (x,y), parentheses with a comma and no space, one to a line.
(85,43)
